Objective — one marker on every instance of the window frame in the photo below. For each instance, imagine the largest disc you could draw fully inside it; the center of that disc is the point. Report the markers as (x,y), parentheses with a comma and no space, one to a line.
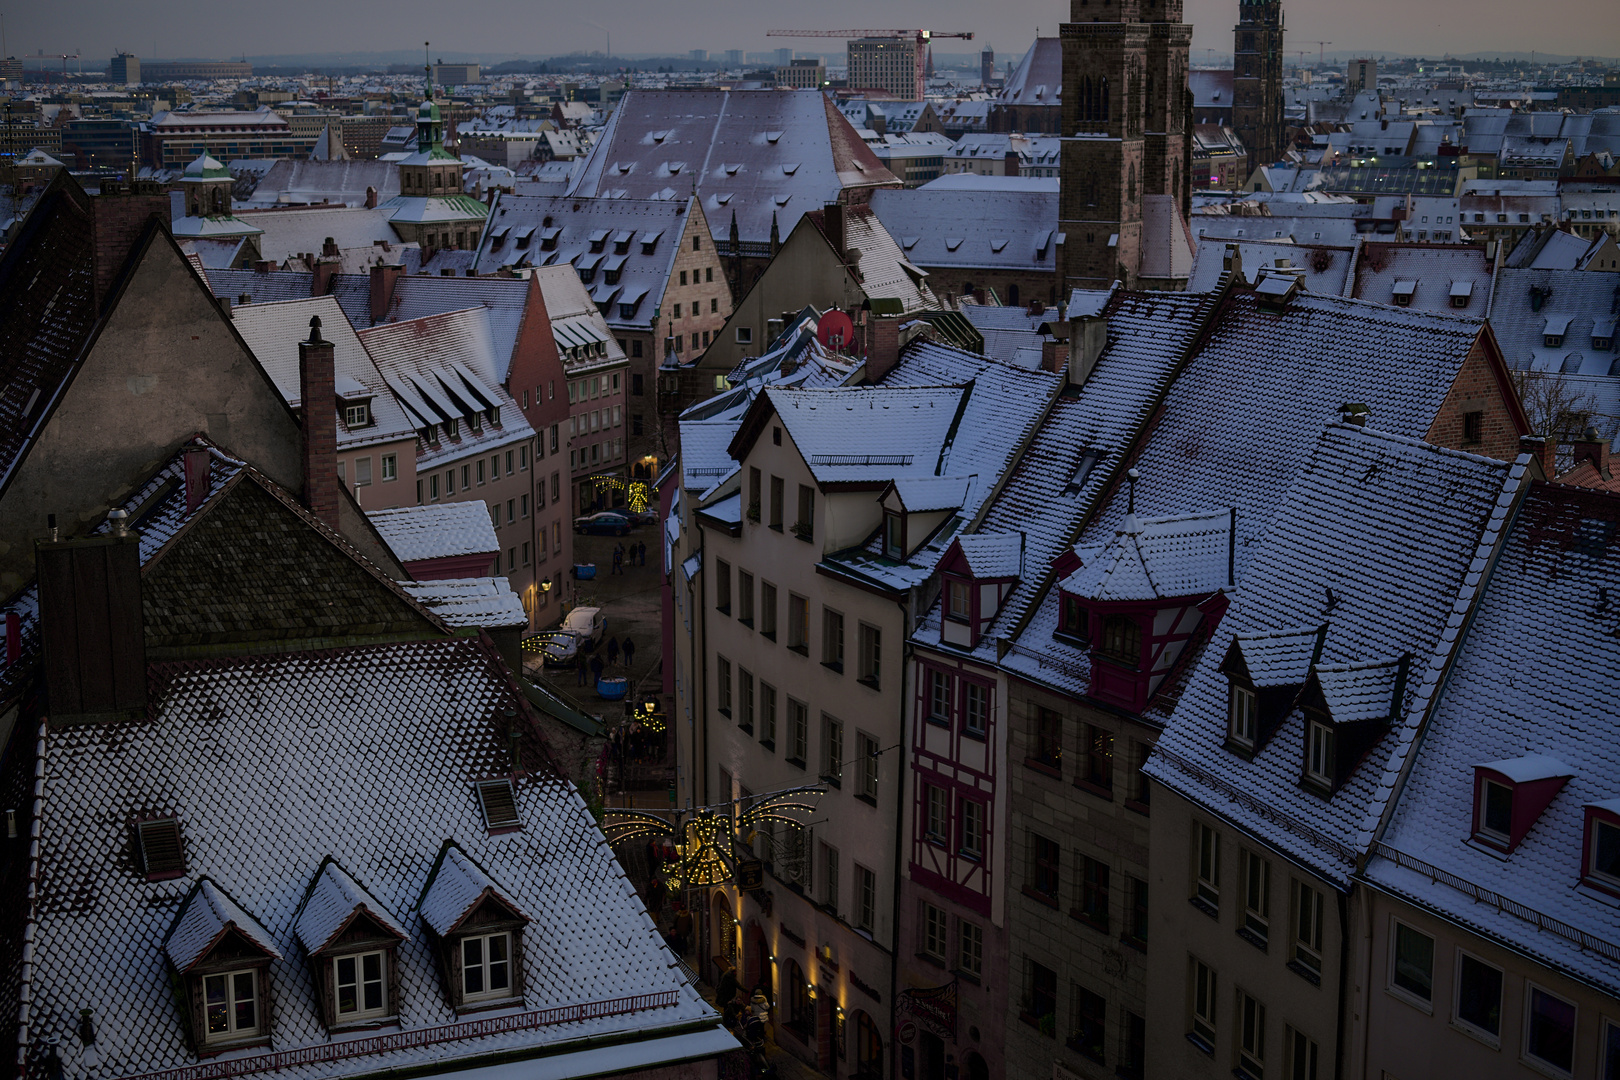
(1320,739)
(1305,950)
(1418,998)
(869,654)
(969,945)
(485,965)
(1477,1030)
(1045,877)
(933,917)
(865,899)
(970,819)
(976,718)
(1242,715)
(233,1034)
(1256,886)
(1597,820)
(866,752)
(1529,1056)
(1251,1035)
(1202,984)
(360,1013)
(1206,856)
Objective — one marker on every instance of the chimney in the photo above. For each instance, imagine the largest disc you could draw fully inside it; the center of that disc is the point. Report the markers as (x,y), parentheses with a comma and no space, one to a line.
(1354,413)
(263,266)
(1088,337)
(1054,354)
(1009,163)
(117,220)
(197,460)
(1594,448)
(329,246)
(1544,453)
(91,623)
(371,198)
(885,351)
(383,280)
(320,279)
(832,225)
(317,397)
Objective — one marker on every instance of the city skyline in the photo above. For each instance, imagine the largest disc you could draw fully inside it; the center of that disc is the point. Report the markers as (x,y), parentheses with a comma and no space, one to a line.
(97,29)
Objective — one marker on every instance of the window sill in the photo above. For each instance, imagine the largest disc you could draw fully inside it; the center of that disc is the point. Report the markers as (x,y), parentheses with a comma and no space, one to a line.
(867,799)
(802,650)
(1084,919)
(1304,972)
(936,961)
(768,635)
(746,622)
(1252,938)
(1485,1037)
(832,781)
(769,744)
(868,682)
(965,976)
(484,1006)
(225,1046)
(746,729)
(776,526)
(370,1023)
(976,736)
(1139,807)
(1409,998)
(833,665)
(797,763)
(937,722)
(1205,906)
(1243,1072)
(724,609)
(725,712)
(1139,944)
(1037,765)
(1041,898)
(1203,1044)
(1095,789)
(1035,1022)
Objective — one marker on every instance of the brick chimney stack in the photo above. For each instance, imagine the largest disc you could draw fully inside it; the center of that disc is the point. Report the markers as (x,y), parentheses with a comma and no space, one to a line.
(119,215)
(885,351)
(832,225)
(91,622)
(1009,163)
(317,395)
(383,280)
(1594,448)
(197,460)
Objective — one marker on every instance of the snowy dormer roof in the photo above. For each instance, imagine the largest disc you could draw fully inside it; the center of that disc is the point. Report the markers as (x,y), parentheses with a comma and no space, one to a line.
(1157,558)
(454,888)
(334,898)
(205,916)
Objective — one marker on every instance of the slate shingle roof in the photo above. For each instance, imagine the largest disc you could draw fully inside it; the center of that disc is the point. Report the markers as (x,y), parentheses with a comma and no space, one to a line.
(333,899)
(437,531)
(274,763)
(1420,514)
(1499,702)
(205,915)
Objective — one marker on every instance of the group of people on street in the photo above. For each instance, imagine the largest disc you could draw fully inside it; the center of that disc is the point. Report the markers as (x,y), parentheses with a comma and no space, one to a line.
(615,650)
(635,554)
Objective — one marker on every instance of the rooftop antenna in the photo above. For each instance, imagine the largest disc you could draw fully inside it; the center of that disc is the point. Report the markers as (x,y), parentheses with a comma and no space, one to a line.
(1131,477)
(427,69)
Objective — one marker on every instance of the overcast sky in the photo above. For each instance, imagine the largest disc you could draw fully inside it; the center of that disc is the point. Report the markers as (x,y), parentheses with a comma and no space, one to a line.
(494,30)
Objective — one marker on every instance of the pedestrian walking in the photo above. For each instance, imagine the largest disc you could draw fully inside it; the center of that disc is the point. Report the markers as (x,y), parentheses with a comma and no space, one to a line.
(596,666)
(613,651)
(618,559)
(641,552)
(579,666)
(629,649)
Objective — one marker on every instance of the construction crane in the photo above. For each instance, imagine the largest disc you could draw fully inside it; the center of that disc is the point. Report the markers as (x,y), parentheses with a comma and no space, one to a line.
(918,39)
(1321,54)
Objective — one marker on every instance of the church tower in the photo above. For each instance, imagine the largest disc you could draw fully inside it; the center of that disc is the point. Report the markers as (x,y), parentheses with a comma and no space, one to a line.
(1257,97)
(1127,136)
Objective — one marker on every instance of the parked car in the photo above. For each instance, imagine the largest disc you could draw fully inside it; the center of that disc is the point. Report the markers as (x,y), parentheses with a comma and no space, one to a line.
(557,648)
(603,523)
(585,624)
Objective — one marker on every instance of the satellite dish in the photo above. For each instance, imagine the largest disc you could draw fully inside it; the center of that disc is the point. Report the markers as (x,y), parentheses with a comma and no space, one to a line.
(835,330)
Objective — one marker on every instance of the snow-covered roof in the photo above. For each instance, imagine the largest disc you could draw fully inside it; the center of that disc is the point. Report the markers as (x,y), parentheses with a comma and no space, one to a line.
(1157,558)
(487,602)
(1326,269)
(1556,562)
(919,494)
(1525,302)
(998,229)
(992,555)
(287,234)
(1166,243)
(1432,275)
(1038,78)
(871,433)
(339,182)
(1528,768)
(1418,513)
(777,154)
(455,886)
(206,915)
(273,331)
(437,531)
(1276,658)
(332,901)
(385,744)
(885,270)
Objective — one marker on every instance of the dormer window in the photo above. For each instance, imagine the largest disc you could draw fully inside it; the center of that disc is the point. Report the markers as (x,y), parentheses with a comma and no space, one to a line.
(361,982)
(1121,639)
(475,422)
(1072,618)
(493,415)
(1243,711)
(958,603)
(894,536)
(477,930)
(350,939)
(1600,860)
(232,1003)
(1510,795)
(221,957)
(357,415)
(452,429)
(1319,761)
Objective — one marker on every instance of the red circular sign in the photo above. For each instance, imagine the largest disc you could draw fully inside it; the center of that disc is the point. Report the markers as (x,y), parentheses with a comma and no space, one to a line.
(908,1031)
(835,330)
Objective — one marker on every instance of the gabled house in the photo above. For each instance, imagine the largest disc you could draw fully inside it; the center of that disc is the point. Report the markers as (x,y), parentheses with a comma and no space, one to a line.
(437,883)
(106,321)
(974,243)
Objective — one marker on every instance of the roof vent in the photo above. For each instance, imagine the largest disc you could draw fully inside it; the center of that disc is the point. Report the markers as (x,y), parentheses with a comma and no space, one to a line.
(1354,413)
(499,803)
(162,855)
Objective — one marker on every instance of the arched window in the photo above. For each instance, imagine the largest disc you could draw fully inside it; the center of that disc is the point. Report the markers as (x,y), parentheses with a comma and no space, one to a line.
(868,1049)
(801,1014)
(1122,639)
(1012,294)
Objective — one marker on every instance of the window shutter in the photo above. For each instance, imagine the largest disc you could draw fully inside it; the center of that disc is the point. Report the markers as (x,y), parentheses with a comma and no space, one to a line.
(499,804)
(161,852)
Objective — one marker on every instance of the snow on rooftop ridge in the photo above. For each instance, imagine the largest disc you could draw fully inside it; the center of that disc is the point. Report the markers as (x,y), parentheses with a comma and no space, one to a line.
(204,918)
(993,555)
(487,602)
(333,898)
(1529,768)
(1359,692)
(1275,658)
(436,531)
(1158,558)
(455,887)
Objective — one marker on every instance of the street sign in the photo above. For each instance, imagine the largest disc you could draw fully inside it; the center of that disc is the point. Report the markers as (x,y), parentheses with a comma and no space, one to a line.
(750,875)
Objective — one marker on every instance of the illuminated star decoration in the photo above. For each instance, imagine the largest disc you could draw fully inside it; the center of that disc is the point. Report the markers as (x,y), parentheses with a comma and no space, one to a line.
(712,840)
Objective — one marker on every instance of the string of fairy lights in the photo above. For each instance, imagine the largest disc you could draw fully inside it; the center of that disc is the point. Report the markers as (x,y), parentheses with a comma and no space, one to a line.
(636,493)
(712,835)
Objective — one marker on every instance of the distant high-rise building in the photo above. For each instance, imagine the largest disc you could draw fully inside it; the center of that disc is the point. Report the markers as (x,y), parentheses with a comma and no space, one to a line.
(455,74)
(699,55)
(987,67)
(805,73)
(124,69)
(734,58)
(1124,98)
(891,64)
(1257,97)
(180,70)
(784,57)
(1362,75)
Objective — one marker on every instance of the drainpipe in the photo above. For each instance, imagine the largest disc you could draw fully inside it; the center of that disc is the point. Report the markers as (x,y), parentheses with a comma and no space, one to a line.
(899,829)
(1344,975)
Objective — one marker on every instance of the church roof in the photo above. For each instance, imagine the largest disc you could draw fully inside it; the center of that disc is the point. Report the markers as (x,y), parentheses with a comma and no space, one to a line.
(206,168)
